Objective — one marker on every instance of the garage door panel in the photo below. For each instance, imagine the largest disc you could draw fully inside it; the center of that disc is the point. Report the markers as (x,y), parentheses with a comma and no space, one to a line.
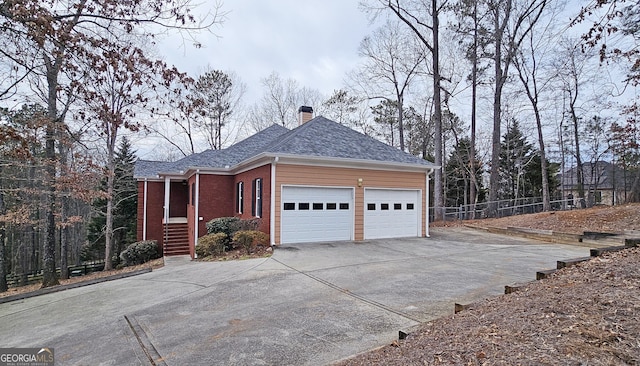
(312,214)
(391,213)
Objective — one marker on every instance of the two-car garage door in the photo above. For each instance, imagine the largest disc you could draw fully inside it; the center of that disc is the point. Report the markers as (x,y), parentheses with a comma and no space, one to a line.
(314,214)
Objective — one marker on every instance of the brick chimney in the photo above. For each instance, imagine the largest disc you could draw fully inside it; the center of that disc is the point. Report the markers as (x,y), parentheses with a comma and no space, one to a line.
(305,114)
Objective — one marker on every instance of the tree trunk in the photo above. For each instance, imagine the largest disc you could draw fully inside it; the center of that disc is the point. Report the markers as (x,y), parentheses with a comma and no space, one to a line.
(64,230)
(3,260)
(49,276)
(438,187)
(111,168)
(473,189)
(579,168)
(497,116)
(400,120)
(546,201)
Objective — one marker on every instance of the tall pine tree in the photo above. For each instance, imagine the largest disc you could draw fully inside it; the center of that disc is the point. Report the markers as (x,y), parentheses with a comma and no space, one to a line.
(125,209)
(459,175)
(516,156)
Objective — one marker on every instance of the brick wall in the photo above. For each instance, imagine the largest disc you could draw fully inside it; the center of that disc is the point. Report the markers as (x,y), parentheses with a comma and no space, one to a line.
(263,172)
(216,198)
(155,202)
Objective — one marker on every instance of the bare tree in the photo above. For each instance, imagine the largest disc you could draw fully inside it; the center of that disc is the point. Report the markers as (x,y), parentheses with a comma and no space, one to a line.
(511,22)
(64,35)
(530,62)
(423,18)
(280,102)
(392,60)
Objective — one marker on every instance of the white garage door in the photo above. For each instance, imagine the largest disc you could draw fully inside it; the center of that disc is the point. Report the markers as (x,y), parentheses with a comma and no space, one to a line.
(392,213)
(312,214)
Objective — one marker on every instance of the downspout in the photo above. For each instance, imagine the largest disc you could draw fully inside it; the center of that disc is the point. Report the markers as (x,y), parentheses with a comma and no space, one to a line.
(197,214)
(427,200)
(144,211)
(272,208)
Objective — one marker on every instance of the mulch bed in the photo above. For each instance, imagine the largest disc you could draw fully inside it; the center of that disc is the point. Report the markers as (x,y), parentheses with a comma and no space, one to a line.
(240,253)
(587,314)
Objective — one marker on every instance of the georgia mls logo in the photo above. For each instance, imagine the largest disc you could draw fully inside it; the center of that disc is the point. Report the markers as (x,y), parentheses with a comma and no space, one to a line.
(26,357)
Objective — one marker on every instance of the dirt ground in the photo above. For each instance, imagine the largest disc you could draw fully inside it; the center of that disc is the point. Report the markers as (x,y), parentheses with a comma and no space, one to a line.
(582,315)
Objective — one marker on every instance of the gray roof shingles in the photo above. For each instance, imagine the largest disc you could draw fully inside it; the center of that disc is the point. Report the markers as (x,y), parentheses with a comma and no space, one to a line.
(319,137)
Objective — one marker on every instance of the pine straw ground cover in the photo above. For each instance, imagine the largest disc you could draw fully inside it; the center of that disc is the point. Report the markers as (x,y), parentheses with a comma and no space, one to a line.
(588,314)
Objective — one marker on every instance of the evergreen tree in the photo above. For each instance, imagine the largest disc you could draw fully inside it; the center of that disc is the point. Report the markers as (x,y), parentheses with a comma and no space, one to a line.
(520,167)
(458,173)
(515,165)
(125,208)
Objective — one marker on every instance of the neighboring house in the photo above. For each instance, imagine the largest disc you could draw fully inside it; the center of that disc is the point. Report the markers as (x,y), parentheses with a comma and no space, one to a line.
(318,182)
(604,183)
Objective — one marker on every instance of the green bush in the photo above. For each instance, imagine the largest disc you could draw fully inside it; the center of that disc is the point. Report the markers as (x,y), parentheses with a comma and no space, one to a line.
(227,225)
(211,244)
(249,239)
(140,252)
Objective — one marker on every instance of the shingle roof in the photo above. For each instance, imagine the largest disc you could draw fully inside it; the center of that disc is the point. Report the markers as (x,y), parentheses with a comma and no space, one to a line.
(322,137)
(319,137)
(149,168)
(230,156)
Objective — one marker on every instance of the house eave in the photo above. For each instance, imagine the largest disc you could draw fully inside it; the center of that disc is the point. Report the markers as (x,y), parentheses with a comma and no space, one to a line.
(339,162)
(266,158)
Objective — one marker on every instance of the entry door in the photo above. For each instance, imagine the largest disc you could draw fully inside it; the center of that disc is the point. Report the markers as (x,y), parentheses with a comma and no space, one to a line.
(315,214)
(390,213)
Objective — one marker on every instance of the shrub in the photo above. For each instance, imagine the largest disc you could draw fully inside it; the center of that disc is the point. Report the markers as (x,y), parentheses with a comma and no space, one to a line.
(249,224)
(211,244)
(249,239)
(140,252)
(227,225)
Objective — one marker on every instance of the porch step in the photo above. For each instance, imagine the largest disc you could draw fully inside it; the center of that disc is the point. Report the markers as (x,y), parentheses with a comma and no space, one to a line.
(176,239)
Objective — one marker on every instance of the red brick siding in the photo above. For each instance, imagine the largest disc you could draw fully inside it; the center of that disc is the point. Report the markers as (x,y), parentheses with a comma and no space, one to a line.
(216,199)
(155,203)
(247,177)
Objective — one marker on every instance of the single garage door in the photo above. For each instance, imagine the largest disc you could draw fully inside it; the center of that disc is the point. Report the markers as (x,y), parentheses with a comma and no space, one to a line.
(312,214)
(390,213)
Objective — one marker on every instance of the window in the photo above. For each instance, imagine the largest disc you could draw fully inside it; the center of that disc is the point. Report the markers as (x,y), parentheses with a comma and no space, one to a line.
(331,206)
(409,206)
(239,197)
(397,206)
(289,206)
(371,206)
(384,206)
(256,197)
(303,206)
(344,206)
(318,206)
(193,194)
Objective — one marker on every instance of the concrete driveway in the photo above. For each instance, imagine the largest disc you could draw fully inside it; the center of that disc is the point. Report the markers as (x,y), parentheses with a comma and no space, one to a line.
(309,304)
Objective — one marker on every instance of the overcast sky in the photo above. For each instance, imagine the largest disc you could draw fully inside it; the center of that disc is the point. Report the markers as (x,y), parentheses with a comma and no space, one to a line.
(314,42)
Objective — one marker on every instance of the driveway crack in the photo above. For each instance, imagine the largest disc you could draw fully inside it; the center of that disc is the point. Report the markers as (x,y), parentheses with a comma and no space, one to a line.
(145,343)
